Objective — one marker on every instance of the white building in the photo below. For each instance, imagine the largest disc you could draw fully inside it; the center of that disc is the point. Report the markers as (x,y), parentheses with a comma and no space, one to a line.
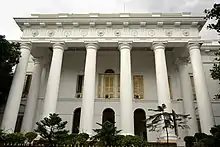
(95,67)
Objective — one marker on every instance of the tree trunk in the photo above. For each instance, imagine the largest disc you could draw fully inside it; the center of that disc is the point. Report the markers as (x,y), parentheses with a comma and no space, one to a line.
(167,136)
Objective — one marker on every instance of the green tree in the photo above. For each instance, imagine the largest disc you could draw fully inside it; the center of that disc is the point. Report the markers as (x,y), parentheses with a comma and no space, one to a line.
(163,120)
(214,15)
(9,57)
(106,135)
(204,140)
(52,129)
(30,136)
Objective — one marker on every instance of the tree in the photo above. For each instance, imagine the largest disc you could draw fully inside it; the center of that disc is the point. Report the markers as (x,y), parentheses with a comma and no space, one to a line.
(214,14)
(163,120)
(52,129)
(9,57)
(106,135)
(204,140)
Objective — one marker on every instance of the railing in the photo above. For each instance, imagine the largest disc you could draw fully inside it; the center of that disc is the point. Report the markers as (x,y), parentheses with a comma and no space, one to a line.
(56,145)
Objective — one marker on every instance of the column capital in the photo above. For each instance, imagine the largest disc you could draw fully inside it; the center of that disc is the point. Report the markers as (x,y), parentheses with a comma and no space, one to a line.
(26,45)
(92,45)
(125,45)
(158,45)
(59,45)
(194,45)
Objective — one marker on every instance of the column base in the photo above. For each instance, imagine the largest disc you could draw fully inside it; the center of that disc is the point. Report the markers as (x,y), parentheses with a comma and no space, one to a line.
(172,138)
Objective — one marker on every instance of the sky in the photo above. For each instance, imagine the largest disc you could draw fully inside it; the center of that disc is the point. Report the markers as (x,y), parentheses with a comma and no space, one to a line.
(21,8)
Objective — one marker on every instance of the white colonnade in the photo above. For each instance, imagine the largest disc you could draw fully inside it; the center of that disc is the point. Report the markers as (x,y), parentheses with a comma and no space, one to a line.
(126,91)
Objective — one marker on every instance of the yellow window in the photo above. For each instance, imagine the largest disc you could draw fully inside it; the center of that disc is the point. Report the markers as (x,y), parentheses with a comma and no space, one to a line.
(138,83)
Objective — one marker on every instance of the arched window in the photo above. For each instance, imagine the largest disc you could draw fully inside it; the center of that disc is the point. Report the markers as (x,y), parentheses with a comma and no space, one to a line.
(109,71)
(139,124)
(108,115)
(76,121)
(109,84)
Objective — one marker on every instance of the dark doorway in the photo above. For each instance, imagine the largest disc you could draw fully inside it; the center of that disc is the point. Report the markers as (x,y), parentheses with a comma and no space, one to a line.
(76,121)
(108,115)
(139,125)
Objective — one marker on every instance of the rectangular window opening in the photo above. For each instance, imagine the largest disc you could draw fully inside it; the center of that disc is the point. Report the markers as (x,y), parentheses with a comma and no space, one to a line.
(79,89)
(138,85)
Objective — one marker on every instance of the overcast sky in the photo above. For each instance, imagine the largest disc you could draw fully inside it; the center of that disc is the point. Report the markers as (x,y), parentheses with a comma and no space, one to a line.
(20,8)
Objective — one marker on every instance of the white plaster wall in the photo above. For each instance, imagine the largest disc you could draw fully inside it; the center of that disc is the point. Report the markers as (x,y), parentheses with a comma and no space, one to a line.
(142,63)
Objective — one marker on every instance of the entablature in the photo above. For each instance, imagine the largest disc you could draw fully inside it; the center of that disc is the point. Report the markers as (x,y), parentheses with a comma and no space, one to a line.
(146,20)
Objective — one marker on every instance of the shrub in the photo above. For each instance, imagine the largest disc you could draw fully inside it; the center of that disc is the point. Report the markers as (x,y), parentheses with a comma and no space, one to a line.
(15,138)
(81,139)
(189,141)
(52,129)
(106,134)
(2,135)
(30,136)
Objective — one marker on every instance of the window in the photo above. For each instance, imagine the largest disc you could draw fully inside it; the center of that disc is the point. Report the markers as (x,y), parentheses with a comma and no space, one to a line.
(138,82)
(79,88)
(193,87)
(27,84)
(109,90)
(109,85)
(170,87)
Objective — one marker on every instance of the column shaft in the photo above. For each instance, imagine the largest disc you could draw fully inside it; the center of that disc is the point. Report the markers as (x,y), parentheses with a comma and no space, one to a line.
(52,90)
(14,98)
(188,99)
(203,100)
(87,113)
(126,91)
(29,114)
(163,92)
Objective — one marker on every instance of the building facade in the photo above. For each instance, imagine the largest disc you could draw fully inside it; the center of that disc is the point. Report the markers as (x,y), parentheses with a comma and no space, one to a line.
(90,68)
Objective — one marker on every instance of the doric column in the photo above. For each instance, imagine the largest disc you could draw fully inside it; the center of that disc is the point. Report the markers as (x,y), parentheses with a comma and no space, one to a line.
(14,98)
(163,92)
(29,114)
(126,91)
(87,113)
(187,95)
(203,100)
(51,96)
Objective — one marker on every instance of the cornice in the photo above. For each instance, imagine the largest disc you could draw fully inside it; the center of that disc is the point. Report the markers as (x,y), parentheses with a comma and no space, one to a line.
(124,19)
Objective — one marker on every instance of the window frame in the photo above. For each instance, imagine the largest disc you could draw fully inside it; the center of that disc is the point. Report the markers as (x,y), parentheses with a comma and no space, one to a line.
(140,96)
(78,93)
(27,85)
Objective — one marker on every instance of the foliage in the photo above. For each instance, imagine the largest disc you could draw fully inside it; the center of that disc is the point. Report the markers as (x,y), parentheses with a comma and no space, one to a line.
(81,139)
(214,14)
(204,140)
(52,129)
(165,120)
(2,135)
(189,141)
(9,57)
(30,136)
(106,134)
(15,138)
(129,141)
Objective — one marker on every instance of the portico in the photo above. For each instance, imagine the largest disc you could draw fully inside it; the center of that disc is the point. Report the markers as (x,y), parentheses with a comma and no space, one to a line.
(131,46)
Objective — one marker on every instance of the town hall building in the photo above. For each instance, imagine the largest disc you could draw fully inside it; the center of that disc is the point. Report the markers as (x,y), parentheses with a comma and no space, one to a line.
(94,67)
